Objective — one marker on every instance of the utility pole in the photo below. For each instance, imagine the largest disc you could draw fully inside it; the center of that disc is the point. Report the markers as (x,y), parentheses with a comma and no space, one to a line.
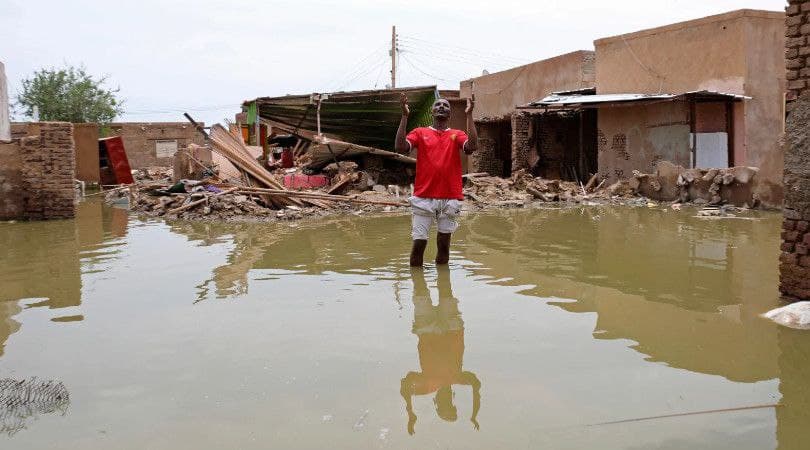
(393,56)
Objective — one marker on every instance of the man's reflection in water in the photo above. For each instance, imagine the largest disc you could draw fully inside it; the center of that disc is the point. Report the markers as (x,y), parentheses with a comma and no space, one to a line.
(441,350)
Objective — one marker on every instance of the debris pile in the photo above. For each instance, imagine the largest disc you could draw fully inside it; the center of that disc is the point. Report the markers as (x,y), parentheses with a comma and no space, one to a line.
(234,181)
(669,182)
(522,189)
(256,193)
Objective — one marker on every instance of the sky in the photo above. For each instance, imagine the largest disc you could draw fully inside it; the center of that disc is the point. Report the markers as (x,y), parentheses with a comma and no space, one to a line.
(207,56)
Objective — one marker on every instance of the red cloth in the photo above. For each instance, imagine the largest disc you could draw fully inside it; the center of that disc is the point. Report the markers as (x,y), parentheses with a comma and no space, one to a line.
(438,162)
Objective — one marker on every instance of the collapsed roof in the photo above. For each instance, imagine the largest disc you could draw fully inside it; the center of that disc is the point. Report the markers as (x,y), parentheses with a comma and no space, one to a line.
(369,118)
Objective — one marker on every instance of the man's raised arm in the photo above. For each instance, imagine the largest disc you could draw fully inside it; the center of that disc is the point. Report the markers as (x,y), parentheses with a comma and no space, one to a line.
(401,145)
(472,134)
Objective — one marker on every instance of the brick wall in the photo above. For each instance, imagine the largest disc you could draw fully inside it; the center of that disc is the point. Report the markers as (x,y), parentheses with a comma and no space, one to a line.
(521,141)
(48,171)
(486,158)
(11,193)
(37,173)
(795,257)
(140,140)
(797,53)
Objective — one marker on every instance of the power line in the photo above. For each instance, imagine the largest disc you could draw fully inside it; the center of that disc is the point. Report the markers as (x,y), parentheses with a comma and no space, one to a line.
(477,62)
(468,51)
(451,72)
(361,74)
(358,66)
(422,71)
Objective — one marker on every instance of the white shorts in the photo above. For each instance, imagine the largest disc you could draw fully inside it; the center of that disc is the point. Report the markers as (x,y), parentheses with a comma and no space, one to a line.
(425,210)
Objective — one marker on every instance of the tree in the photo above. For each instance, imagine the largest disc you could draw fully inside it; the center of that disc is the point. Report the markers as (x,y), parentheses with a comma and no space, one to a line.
(69,95)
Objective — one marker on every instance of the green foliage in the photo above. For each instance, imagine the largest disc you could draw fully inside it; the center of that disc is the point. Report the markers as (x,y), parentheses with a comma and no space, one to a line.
(68,95)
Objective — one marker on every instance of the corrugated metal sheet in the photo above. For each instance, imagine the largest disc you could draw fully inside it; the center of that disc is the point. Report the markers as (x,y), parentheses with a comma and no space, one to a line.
(558,100)
(368,118)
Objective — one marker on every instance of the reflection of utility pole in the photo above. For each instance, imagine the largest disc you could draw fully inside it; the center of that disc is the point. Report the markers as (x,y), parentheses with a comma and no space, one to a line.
(393,56)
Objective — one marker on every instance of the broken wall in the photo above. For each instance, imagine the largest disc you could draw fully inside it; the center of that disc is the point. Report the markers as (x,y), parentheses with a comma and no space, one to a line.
(740,52)
(11,192)
(153,144)
(521,141)
(639,137)
(37,173)
(487,157)
(795,257)
(48,168)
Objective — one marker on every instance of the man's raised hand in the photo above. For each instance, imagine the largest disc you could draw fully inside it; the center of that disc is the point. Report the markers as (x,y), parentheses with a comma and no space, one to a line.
(403,102)
(470,104)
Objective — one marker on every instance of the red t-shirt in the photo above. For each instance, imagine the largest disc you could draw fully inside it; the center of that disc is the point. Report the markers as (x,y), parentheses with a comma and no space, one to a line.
(438,163)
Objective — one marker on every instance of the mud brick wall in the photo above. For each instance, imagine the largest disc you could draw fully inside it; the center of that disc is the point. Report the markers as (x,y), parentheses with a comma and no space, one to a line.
(521,141)
(140,140)
(795,257)
(797,52)
(11,193)
(486,158)
(48,168)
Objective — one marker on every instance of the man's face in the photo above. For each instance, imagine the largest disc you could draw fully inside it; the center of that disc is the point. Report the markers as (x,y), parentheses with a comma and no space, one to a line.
(441,108)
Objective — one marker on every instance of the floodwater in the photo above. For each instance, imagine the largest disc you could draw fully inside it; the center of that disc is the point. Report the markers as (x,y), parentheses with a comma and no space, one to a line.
(609,328)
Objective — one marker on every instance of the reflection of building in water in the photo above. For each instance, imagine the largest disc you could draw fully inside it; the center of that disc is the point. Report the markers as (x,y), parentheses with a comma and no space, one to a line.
(688,294)
(341,245)
(793,414)
(41,260)
(441,351)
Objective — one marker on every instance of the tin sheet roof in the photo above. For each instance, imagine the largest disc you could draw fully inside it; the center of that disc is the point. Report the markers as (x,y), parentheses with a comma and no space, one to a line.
(566,100)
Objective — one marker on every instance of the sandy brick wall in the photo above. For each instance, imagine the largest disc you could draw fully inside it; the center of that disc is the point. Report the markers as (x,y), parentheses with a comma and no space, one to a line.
(486,159)
(797,51)
(795,257)
(140,140)
(48,168)
(11,193)
(521,145)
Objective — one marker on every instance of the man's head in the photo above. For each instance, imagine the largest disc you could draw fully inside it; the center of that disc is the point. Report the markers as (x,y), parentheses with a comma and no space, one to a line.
(441,109)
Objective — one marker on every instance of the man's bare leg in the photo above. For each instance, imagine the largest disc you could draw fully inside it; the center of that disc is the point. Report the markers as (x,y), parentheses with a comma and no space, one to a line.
(418,252)
(443,248)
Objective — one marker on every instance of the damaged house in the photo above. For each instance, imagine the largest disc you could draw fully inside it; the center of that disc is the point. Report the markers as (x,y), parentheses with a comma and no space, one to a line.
(706,93)
(358,126)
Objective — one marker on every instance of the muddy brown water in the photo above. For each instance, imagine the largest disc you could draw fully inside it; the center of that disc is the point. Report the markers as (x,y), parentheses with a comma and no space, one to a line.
(616,328)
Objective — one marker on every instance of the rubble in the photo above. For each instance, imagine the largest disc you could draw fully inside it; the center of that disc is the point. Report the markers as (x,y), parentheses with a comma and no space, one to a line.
(247,189)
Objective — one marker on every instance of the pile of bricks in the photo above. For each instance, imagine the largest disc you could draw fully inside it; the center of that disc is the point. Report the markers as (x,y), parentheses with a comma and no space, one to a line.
(797,52)
(48,170)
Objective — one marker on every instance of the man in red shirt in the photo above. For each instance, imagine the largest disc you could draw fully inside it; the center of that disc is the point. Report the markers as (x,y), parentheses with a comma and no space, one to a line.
(437,192)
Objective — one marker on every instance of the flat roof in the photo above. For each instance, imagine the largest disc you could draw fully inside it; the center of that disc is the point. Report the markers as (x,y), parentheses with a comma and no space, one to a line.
(731,15)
